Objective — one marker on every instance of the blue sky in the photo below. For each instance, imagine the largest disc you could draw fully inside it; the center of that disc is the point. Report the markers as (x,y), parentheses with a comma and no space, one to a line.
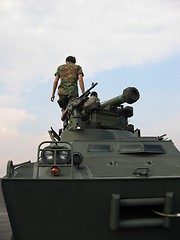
(118,43)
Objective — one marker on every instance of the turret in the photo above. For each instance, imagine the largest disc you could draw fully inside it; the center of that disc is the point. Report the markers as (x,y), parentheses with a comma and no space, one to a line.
(85,112)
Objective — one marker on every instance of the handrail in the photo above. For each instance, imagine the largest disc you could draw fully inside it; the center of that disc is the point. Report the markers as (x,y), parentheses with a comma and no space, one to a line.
(58,145)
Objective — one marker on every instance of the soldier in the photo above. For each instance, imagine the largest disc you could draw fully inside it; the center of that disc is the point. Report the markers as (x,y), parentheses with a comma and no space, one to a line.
(92,104)
(93,98)
(70,74)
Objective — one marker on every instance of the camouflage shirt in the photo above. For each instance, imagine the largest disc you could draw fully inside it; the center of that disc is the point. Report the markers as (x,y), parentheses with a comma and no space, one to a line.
(69,77)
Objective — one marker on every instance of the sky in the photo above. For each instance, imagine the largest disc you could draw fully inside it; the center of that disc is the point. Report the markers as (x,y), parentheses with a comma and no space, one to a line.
(118,43)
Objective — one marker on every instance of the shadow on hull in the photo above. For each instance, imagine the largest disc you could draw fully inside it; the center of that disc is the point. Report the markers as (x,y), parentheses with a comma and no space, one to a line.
(85,209)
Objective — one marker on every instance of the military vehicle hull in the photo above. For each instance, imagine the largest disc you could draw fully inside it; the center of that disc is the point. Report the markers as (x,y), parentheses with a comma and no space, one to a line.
(104,209)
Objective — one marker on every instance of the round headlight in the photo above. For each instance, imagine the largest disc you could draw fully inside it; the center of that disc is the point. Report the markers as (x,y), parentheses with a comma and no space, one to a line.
(47,155)
(63,156)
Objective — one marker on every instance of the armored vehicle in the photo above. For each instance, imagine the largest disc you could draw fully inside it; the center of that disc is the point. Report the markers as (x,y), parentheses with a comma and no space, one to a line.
(98,178)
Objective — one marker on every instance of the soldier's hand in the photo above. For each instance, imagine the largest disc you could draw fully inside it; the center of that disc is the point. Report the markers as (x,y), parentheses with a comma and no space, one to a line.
(52,98)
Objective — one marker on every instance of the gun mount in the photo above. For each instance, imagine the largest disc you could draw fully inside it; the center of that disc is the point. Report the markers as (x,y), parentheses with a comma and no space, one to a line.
(86,112)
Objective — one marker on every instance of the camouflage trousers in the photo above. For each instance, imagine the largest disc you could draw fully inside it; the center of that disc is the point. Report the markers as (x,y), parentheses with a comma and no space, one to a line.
(64,99)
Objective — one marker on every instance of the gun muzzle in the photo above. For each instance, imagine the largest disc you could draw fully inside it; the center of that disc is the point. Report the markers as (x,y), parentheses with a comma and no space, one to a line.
(130,95)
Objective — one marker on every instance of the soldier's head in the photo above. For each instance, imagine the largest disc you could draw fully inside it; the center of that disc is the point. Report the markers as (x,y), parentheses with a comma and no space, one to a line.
(94,94)
(71,59)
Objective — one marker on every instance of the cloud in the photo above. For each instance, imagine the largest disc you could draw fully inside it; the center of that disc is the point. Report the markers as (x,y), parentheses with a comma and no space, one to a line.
(15,144)
(103,35)
(11,118)
(9,100)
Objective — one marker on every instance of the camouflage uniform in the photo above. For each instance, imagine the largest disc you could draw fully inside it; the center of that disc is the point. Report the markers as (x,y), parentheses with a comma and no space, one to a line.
(69,77)
(68,87)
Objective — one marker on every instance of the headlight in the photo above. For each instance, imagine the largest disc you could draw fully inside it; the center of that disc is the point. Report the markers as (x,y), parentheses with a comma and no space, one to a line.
(48,155)
(55,154)
(63,156)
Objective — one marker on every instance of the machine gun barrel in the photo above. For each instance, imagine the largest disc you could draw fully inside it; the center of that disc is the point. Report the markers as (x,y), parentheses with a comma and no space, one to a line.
(130,95)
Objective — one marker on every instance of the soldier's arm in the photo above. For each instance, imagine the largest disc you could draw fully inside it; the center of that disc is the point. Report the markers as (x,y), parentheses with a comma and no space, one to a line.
(54,87)
(81,83)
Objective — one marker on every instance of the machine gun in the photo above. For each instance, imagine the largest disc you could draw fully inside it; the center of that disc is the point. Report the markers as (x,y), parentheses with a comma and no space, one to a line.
(75,103)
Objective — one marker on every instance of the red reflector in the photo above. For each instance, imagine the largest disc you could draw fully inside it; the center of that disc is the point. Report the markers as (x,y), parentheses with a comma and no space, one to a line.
(55,171)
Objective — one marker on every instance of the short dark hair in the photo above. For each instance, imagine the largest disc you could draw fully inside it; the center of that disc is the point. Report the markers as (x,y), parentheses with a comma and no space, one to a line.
(71,59)
(94,94)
